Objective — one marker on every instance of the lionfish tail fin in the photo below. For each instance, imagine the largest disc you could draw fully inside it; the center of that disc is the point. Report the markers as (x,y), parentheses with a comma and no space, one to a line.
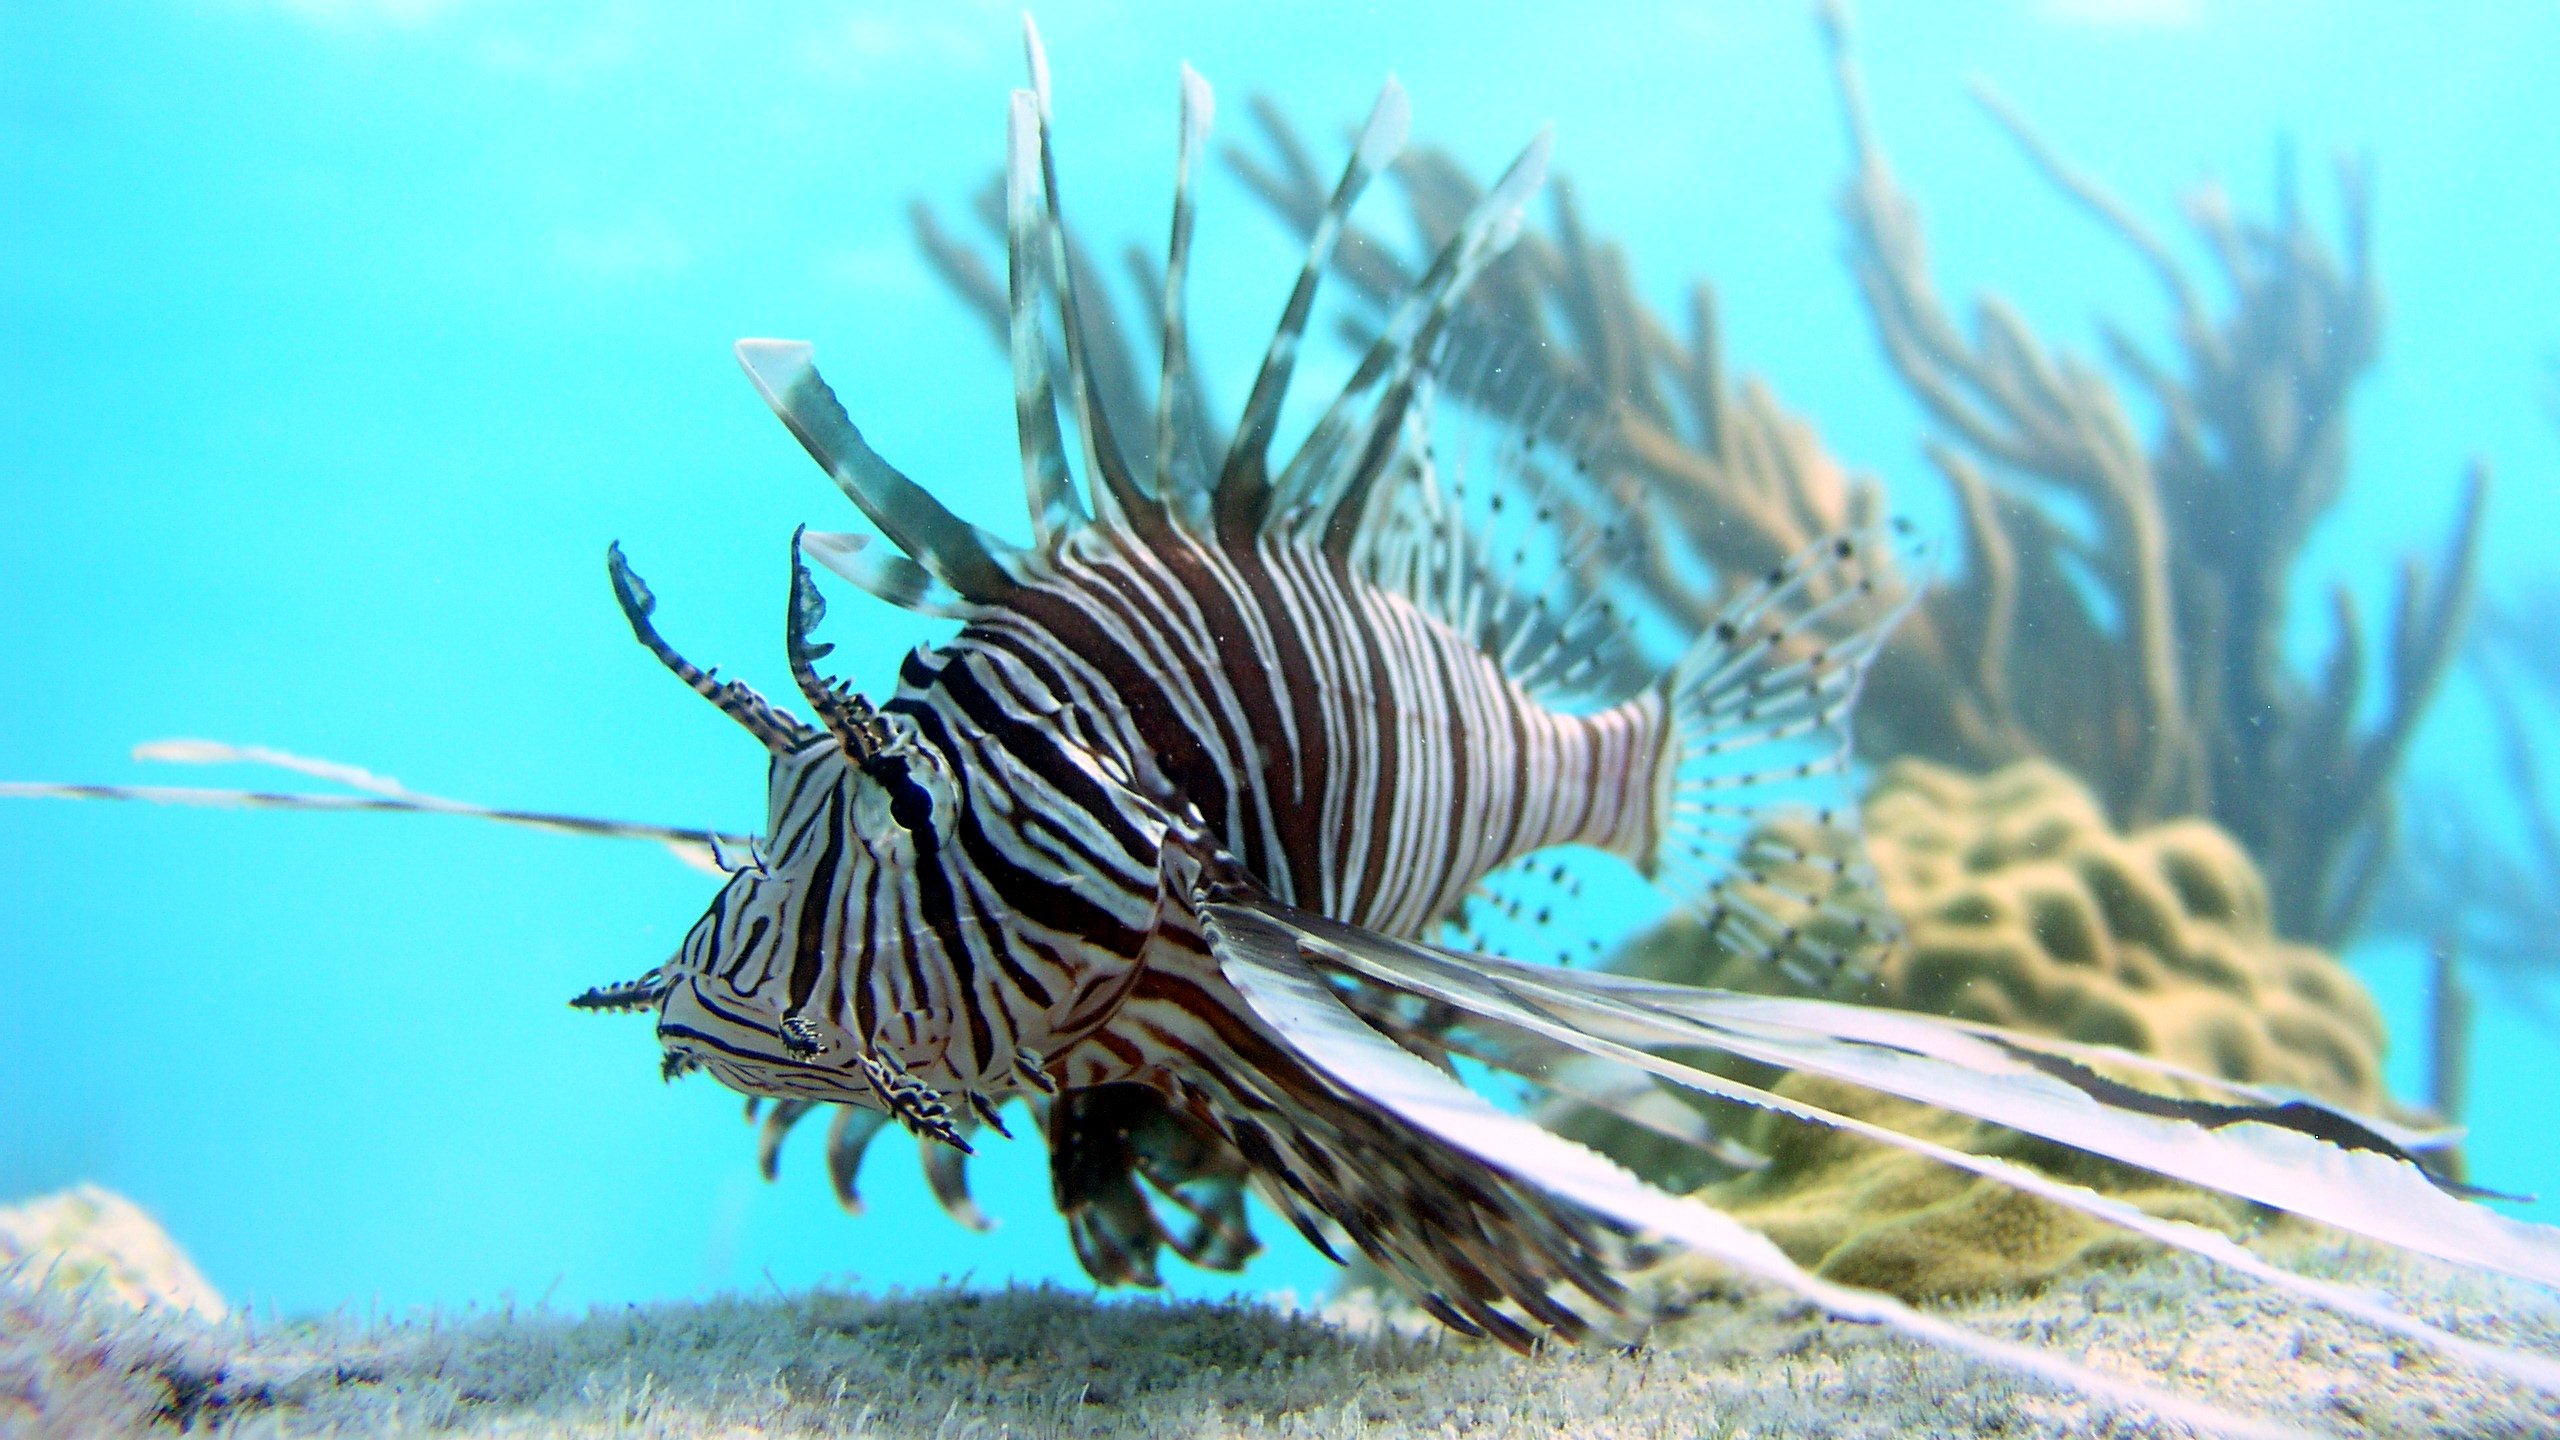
(1753,822)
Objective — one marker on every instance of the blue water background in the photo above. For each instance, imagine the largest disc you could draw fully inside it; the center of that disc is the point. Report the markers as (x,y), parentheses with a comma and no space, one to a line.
(340,336)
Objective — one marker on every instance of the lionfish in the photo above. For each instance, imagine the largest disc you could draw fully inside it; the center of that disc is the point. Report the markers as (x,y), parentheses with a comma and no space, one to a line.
(1162,839)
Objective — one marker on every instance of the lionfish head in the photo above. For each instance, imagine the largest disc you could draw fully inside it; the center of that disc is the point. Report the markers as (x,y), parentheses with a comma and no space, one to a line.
(768,991)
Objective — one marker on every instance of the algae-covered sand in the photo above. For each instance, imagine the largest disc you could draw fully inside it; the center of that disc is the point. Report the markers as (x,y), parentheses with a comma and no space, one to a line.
(1055,1363)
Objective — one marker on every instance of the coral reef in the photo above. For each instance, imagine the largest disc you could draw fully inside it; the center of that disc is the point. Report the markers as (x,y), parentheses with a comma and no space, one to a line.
(1046,1363)
(2184,704)
(94,1241)
(2024,909)
(2120,603)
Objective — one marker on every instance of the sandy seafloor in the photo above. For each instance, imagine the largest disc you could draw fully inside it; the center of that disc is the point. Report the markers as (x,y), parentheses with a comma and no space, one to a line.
(1050,1362)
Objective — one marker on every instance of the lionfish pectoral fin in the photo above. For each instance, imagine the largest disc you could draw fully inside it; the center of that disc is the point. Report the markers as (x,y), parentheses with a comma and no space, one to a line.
(1753,824)
(1271,955)
(695,847)
(2314,1162)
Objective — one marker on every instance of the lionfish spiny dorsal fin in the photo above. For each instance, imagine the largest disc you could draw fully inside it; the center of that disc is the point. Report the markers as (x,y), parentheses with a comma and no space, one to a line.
(1244,481)
(883,573)
(1324,493)
(978,565)
(1055,507)
(1117,494)
(1187,494)
(1501,531)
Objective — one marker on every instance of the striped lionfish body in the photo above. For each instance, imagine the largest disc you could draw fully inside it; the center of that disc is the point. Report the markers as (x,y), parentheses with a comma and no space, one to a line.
(1294,686)
(1160,841)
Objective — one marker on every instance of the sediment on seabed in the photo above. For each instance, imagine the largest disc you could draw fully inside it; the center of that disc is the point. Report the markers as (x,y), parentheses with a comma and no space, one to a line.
(1048,1362)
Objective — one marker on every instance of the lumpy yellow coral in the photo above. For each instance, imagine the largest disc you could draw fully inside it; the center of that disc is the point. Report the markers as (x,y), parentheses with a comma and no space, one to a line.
(2026,909)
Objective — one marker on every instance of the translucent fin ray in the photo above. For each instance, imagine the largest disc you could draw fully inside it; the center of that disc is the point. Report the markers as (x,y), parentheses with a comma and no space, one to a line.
(1118,495)
(1244,479)
(1325,490)
(885,574)
(969,560)
(1752,823)
(1186,494)
(697,847)
(1262,956)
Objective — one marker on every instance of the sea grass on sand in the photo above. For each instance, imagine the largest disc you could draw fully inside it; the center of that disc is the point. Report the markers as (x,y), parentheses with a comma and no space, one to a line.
(1053,1363)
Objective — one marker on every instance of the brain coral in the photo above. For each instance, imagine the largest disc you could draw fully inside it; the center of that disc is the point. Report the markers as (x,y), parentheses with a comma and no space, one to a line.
(2024,908)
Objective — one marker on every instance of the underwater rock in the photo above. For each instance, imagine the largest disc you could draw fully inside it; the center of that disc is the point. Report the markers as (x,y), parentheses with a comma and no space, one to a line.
(2023,908)
(89,1239)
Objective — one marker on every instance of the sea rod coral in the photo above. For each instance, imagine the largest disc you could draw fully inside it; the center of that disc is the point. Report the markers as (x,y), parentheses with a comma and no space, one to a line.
(2143,652)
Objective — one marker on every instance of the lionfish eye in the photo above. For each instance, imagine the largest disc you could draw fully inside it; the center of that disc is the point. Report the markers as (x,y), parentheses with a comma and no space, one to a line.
(910,803)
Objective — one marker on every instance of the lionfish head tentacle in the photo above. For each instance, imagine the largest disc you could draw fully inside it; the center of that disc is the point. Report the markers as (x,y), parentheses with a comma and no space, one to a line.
(848,716)
(779,732)
(1244,483)
(978,565)
(1118,494)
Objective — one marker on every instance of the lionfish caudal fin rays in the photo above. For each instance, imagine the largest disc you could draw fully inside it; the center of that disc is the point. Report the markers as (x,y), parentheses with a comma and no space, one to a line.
(1749,802)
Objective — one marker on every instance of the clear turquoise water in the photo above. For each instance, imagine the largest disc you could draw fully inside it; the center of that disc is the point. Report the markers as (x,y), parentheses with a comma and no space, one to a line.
(340,336)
